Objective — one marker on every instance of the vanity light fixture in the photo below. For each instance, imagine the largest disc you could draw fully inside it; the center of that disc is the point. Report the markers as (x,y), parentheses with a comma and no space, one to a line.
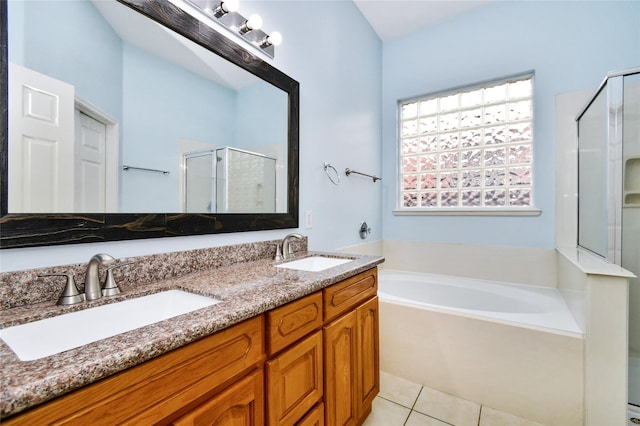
(225,13)
(275,39)
(253,23)
(225,7)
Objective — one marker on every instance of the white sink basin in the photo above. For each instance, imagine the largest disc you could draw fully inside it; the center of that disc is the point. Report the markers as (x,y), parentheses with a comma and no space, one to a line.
(50,336)
(314,263)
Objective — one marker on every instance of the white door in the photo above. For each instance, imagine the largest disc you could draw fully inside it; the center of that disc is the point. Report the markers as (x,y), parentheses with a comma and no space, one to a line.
(90,164)
(41,143)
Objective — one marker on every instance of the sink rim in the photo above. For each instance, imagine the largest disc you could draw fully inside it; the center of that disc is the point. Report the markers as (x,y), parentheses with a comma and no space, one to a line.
(143,310)
(332,260)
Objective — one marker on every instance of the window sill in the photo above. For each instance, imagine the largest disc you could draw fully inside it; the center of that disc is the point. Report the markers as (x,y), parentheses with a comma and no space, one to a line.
(528,211)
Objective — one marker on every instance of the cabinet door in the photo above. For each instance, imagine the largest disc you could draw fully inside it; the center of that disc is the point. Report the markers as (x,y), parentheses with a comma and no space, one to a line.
(294,381)
(368,356)
(340,371)
(315,417)
(242,404)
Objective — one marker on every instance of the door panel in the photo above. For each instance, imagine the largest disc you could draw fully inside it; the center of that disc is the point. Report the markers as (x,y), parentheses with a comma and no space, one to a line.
(41,143)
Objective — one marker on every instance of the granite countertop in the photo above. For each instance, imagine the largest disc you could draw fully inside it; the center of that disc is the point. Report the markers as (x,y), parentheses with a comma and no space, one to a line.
(246,290)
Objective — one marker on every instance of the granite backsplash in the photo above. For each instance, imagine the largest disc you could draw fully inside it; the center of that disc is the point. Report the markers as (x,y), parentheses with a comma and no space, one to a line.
(20,288)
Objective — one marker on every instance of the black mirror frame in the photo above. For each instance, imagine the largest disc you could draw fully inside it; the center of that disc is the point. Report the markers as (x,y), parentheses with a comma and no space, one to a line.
(30,230)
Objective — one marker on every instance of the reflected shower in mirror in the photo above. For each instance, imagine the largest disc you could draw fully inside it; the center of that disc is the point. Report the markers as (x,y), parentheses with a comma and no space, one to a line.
(106,105)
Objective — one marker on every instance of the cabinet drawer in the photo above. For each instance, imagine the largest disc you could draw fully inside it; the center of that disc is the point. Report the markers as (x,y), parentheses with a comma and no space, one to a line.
(294,381)
(292,321)
(341,297)
(156,389)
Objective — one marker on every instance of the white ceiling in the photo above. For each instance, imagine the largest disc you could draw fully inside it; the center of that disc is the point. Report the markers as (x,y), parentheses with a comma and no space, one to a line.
(392,19)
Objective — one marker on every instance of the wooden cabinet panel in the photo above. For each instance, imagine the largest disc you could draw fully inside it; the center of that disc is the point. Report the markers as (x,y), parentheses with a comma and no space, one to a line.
(315,417)
(347,294)
(240,404)
(153,390)
(292,321)
(294,381)
(340,371)
(368,356)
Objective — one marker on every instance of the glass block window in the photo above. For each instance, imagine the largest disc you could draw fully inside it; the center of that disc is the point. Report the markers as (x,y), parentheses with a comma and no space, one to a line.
(468,149)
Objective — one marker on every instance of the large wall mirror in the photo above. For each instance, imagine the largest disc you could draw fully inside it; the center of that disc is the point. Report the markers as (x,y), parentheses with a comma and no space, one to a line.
(132,119)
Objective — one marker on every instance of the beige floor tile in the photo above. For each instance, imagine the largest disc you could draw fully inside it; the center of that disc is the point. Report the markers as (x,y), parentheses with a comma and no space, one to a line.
(491,417)
(398,390)
(417,419)
(386,413)
(456,411)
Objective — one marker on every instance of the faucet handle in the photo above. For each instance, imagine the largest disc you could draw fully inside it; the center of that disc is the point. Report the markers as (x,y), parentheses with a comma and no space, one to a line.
(70,295)
(278,252)
(110,286)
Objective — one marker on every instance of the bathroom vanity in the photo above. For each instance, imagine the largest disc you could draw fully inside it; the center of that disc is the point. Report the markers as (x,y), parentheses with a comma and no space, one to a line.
(282,347)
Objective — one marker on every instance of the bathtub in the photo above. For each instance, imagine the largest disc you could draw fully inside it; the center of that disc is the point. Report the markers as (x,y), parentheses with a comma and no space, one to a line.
(528,306)
(511,347)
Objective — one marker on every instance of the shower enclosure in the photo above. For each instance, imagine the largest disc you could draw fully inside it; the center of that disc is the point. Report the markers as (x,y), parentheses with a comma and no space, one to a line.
(609,190)
(229,180)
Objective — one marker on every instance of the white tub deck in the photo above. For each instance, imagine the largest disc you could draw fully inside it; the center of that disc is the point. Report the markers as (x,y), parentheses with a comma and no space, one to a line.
(527,306)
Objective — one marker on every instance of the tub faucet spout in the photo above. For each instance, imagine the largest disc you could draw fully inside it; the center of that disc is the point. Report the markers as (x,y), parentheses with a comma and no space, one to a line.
(92,288)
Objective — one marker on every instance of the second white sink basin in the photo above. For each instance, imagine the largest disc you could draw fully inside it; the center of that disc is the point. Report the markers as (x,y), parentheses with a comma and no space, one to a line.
(50,336)
(314,263)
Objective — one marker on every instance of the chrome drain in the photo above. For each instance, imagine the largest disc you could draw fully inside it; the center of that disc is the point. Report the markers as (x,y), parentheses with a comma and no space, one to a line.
(635,420)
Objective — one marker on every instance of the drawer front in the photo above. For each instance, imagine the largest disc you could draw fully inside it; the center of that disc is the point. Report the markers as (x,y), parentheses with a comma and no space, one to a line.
(293,321)
(345,295)
(294,381)
(157,388)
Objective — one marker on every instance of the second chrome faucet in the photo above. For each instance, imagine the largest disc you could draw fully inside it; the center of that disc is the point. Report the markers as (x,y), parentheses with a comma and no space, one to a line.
(286,252)
(92,287)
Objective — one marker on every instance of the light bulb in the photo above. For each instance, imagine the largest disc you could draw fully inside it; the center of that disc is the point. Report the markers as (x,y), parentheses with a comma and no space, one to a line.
(225,7)
(275,38)
(254,22)
(231,5)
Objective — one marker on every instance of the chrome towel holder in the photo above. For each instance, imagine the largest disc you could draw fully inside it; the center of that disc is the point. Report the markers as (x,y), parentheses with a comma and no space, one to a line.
(332,173)
(348,171)
(127,168)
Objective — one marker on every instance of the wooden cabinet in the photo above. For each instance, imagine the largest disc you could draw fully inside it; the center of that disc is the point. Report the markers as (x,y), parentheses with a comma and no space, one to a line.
(241,404)
(311,362)
(294,381)
(340,371)
(346,379)
(161,389)
(368,361)
(351,373)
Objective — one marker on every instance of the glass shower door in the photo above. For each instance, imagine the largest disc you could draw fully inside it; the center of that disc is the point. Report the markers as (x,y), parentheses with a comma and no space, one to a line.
(631,222)
(199,182)
(609,191)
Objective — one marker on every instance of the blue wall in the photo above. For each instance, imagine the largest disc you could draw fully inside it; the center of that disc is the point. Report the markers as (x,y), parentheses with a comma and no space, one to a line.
(335,55)
(570,45)
(84,33)
(199,111)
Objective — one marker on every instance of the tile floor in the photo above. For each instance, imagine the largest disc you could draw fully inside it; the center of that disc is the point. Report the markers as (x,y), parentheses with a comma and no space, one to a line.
(403,403)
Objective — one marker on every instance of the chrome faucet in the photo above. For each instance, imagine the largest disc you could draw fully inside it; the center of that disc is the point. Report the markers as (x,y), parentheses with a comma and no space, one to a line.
(92,288)
(287,252)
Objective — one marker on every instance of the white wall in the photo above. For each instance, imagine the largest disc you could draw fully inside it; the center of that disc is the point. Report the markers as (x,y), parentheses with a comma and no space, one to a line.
(335,55)
(570,45)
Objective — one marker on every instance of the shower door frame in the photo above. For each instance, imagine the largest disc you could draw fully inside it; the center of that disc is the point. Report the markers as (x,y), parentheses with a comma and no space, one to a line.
(614,87)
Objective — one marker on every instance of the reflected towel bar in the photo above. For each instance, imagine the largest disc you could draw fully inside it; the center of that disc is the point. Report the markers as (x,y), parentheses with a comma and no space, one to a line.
(348,171)
(164,172)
